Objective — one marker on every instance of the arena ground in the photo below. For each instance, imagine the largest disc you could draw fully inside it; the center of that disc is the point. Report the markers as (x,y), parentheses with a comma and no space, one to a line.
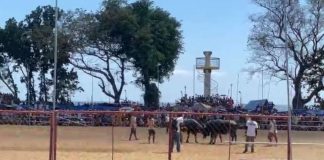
(94,143)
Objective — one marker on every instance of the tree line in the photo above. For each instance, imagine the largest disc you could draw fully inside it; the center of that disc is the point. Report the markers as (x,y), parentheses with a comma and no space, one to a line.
(146,40)
(120,37)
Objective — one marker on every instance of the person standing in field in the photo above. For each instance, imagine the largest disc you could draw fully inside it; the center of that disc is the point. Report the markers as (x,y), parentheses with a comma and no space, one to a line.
(167,120)
(251,133)
(133,125)
(273,131)
(151,131)
(176,132)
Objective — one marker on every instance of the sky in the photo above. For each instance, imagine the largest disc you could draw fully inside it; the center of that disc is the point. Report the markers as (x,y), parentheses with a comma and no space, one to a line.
(220,26)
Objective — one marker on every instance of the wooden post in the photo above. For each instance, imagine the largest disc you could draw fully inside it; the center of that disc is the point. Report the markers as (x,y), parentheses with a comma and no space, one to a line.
(112,141)
(51,137)
(170,137)
(229,139)
(54,134)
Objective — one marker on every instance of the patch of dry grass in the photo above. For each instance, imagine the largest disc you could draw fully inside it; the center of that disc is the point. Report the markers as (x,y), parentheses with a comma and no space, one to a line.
(94,143)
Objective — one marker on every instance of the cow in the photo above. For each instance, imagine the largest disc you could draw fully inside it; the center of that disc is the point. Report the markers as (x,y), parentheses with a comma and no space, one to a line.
(191,126)
(218,126)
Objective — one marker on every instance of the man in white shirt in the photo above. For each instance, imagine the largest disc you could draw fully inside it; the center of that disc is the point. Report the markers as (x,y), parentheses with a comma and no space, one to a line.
(167,120)
(176,132)
(251,133)
(272,131)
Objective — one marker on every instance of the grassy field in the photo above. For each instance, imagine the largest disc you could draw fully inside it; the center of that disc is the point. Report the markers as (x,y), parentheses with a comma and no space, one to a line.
(95,143)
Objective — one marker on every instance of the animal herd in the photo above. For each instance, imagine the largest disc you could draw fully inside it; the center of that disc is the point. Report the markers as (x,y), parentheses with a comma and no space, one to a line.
(212,128)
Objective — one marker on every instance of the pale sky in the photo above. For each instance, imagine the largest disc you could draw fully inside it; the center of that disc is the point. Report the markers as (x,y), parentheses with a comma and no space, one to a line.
(220,26)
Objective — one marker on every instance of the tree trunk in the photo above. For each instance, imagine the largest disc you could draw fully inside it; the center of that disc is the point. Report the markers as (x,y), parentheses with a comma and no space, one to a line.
(146,91)
(297,101)
(31,94)
(10,84)
(42,88)
(117,98)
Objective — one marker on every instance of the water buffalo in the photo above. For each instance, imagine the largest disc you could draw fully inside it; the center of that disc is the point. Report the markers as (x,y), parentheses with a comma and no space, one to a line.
(218,127)
(191,126)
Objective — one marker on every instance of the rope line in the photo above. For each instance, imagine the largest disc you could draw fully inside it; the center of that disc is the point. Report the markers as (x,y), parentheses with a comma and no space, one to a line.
(295,143)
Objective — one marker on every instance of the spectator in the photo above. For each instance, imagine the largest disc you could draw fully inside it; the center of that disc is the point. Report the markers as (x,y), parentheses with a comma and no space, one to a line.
(133,125)
(151,131)
(251,133)
(273,131)
(176,123)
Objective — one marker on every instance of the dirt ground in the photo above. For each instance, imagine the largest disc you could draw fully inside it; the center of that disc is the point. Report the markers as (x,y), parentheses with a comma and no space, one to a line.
(95,143)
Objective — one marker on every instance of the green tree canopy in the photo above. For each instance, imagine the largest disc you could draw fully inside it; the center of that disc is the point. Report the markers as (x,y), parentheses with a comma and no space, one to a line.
(151,39)
(138,33)
(96,48)
(30,45)
(156,41)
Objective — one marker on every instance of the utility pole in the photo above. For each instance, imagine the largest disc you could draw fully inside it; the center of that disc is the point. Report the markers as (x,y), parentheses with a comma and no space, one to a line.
(240,98)
(262,83)
(125,95)
(287,5)
(55,56)
(216,87)
(194,81)
(92,91)
(237,86)
(231,90)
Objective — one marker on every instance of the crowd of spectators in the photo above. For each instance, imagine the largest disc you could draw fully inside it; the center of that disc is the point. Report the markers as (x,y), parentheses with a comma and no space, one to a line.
(213,101)
(300,121)
(6,98)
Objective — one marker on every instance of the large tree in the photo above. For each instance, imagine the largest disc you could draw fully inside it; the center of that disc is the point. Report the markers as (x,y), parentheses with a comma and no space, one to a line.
(305,32)
(42,23)
(30,43)
(96,47)
(153,47)
(19,47)
(121,33)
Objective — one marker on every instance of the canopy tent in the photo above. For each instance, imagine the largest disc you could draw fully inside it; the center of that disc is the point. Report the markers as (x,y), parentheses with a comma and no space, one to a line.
(252,105)
(7,107)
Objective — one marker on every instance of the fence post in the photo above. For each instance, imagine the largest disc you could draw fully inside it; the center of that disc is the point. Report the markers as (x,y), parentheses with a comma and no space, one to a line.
(51,136)
(29,119)
(112,138)
(170,136)
(55,135)
(229,139)
(289,152)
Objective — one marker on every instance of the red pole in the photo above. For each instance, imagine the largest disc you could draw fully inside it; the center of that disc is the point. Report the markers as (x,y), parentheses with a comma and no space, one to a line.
(112,140)
(229,141)
(51,137)
(170,137)
(55,135)
(289,152)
